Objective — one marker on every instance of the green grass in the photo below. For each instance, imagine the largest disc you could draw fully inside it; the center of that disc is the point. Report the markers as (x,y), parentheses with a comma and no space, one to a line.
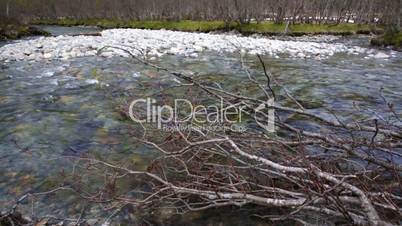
(185,25)
(207,26)
(300,29)
(266,27)
(202,26)
(390,38)
(340,28)
(394,39)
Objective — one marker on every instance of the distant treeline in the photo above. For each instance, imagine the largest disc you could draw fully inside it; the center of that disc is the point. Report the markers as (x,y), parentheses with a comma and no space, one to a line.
(242,11)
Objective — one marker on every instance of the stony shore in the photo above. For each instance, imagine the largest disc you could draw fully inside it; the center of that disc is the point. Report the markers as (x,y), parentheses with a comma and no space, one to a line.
(156,43)
(15,31)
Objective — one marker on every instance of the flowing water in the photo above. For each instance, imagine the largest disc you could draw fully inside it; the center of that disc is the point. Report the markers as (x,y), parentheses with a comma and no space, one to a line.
(76,30)
(53,109)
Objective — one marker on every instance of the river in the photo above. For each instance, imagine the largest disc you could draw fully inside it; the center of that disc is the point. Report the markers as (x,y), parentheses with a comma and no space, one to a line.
(50,109)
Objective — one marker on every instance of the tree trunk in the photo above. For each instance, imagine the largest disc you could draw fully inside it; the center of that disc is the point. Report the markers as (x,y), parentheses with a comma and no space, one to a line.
(8,9)
(400,15)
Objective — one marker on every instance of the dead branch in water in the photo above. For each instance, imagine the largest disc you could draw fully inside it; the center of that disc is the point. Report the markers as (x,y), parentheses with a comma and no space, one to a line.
(346,172)
(351,172)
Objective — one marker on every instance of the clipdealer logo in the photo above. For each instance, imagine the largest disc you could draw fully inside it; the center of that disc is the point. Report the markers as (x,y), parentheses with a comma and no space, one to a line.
(183,115)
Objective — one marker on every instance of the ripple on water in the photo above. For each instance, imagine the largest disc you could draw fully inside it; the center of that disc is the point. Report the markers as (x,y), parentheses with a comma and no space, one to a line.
(80,118)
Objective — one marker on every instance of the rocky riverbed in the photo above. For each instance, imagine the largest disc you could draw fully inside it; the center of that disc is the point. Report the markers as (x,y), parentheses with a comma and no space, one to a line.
(157,43)
(56,104)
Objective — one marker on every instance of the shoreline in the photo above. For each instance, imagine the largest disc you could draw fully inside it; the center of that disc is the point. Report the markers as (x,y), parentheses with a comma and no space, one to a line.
(263,28)
(390,39)
(16,31)
(156,43)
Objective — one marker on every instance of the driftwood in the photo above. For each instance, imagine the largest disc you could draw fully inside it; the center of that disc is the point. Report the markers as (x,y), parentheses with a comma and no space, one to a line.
(346,173)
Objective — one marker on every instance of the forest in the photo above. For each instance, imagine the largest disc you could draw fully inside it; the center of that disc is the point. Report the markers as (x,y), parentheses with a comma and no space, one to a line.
(200,112)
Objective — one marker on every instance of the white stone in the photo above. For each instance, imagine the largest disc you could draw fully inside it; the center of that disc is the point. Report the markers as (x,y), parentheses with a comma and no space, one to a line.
(198,48)
(32,57)
(47,55)
(157,43)
(381,55)
(92,81)
(54,82)
(194,55)
(301,55)
(107,54)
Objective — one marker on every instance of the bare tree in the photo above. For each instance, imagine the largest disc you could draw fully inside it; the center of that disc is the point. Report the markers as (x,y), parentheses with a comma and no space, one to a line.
(242,11)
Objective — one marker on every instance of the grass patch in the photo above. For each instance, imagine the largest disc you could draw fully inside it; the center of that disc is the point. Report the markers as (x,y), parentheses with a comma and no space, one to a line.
(268,28)
(390,38)
(202,26)
(394,39)
(262,28)
(304,29)
(325,28)
(185,25)
(14,30)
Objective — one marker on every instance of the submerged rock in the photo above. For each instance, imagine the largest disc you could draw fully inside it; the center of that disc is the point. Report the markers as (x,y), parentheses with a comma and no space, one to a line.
(381,55)
(92,81)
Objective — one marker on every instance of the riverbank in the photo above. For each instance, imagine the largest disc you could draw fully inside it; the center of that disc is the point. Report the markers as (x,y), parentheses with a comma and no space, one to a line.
(264,28)
(9,31)
(157,43)
(62,109)
(389,39)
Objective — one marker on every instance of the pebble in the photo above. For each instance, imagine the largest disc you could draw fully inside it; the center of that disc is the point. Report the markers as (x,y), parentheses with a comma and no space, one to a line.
(198,48)
(301,55)
(381,55)
(92,81)
(47,55)
(193,55)
(160,42)
(54,82)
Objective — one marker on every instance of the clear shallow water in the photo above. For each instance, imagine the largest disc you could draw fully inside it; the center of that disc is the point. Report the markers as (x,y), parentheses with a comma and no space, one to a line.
(51,110)
(76,30)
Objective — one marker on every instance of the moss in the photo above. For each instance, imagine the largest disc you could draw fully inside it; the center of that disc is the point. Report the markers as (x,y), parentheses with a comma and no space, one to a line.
(302,29)
(266,28)
(262,28)
(202,26)
(393,38)
(15,30)
(184,25)
(390,38)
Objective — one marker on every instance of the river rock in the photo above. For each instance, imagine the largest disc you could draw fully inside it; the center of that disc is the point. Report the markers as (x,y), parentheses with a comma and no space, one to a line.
(47,55)
(27,52)
(48,50)
(157,43)
(91,81)
(107,54)
(32,57)
(381,55)
(193,55)
(198,48)
(301,55)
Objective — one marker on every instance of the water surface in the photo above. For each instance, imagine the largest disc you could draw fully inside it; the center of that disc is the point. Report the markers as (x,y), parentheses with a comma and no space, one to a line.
(50,110)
